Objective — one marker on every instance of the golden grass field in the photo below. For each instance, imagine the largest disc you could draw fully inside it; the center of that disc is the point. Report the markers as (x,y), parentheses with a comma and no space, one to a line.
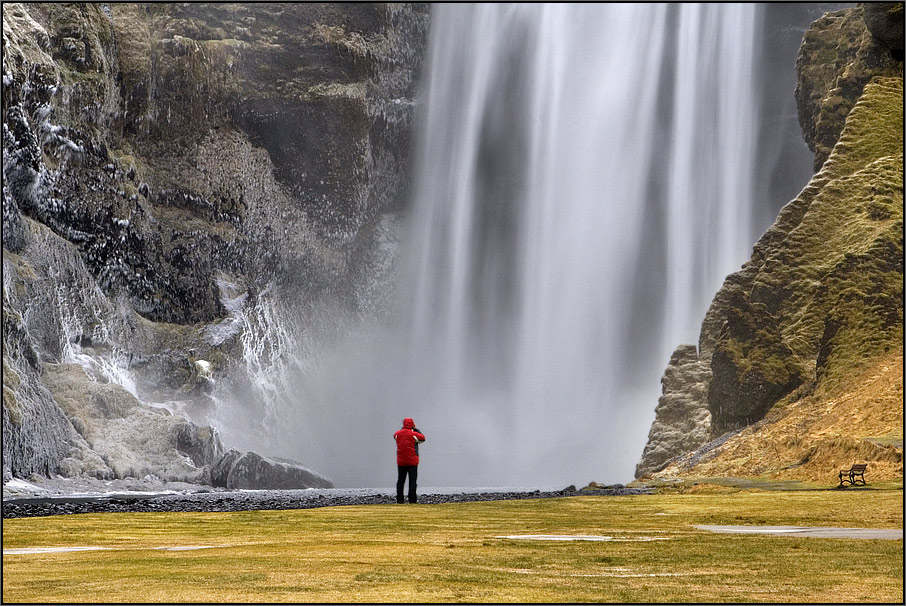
(454,553)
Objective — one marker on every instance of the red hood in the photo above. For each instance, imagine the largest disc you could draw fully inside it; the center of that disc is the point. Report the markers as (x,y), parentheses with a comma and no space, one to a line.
(408,423)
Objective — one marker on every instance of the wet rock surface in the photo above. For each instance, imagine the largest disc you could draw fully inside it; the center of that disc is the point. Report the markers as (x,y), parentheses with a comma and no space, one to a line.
(169,175)
(215,501)
(682,420)
(250,470)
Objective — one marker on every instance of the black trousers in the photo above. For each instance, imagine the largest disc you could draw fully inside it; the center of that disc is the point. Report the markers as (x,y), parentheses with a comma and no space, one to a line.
(403,471)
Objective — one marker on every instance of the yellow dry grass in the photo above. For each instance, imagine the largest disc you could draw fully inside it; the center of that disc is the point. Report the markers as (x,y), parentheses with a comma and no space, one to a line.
(455,553)
(812,439)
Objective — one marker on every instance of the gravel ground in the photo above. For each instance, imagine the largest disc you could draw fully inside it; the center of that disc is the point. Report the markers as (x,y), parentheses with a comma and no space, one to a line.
(246,500)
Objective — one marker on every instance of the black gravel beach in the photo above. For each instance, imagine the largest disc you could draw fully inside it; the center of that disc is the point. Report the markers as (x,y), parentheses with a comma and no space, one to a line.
(239,500)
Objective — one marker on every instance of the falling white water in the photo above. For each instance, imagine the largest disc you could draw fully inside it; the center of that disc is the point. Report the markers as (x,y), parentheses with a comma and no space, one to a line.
(709,198)
(529,213)
(543,190)
(583,186)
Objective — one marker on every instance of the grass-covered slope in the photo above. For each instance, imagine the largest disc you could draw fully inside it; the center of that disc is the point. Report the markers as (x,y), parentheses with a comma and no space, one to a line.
(818,309)
(812,439)
(817,317)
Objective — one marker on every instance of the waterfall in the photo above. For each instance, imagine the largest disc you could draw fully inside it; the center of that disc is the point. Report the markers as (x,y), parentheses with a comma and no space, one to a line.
(709,199)
(583,184)
(580,165)
(584,178)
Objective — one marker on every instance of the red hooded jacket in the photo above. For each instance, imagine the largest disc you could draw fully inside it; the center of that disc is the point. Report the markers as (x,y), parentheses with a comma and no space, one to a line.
(406,440)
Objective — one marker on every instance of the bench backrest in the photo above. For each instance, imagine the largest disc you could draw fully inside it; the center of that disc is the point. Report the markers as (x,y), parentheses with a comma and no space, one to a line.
(860,467)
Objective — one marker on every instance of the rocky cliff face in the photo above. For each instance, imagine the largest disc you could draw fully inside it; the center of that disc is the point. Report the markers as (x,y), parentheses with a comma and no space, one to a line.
(839,54)
(820,303)
(683,420)
(164,165)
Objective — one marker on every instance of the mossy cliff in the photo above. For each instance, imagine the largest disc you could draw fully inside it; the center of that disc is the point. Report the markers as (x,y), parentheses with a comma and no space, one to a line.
(840,53)
(805,343)
(164,165)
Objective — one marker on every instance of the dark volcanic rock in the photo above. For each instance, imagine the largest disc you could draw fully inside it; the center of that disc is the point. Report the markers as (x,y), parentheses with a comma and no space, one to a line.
(252,471)
(752,367)
(885,22)
(270,500)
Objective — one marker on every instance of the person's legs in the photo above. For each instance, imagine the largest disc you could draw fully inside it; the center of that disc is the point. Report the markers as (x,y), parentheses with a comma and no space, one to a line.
(400,480)
(413,476)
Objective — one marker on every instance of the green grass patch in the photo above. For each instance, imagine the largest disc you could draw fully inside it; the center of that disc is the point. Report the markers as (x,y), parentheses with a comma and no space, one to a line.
(453,553)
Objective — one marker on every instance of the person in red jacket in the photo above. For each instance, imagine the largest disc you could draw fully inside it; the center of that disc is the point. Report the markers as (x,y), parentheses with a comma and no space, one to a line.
(407,440)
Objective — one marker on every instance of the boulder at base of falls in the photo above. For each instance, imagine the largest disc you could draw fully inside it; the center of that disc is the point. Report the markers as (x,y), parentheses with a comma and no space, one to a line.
(250,470)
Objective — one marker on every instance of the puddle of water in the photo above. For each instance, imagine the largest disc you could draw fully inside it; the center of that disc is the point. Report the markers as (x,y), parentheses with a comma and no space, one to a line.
(810,531)
(617,572)
(579,537)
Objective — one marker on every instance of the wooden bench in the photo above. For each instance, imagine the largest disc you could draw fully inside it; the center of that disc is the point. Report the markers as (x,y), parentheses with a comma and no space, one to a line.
(852,474)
